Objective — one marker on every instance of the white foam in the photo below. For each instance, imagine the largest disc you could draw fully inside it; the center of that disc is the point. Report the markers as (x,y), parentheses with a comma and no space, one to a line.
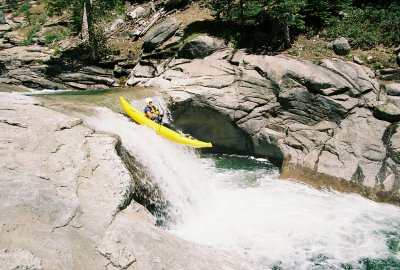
(271,221)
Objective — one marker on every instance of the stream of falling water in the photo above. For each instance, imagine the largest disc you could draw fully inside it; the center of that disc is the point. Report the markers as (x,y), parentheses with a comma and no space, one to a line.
(238,204)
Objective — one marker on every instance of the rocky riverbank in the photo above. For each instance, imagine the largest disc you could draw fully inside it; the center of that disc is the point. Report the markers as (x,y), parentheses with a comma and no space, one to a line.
(66,200)
(329,124)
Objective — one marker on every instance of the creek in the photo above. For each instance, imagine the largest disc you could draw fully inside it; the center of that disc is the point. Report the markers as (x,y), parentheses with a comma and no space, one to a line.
(239,203)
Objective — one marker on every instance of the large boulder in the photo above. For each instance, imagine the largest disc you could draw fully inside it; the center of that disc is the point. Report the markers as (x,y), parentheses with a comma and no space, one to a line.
(316,121)
(160,33)
(200,47)
(66,200)
(341,46)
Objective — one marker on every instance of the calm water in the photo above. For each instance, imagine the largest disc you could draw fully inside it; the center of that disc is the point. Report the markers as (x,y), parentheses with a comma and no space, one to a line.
(237,203)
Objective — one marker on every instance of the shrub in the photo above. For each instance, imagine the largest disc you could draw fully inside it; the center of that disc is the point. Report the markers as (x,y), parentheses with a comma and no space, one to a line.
(30,34)
(367,27)
(24,9)
(56,35)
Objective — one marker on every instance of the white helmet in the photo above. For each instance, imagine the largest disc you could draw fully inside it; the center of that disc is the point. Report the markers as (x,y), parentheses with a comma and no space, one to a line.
(148,100)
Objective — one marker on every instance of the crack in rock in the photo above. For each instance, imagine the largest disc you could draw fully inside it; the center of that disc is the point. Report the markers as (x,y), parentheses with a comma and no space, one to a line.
(15,124)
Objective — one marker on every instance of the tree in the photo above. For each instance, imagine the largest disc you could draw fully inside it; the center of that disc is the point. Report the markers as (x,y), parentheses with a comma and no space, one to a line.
(235,11)
(244,12)
(286,13)
(85,14)
(319,12)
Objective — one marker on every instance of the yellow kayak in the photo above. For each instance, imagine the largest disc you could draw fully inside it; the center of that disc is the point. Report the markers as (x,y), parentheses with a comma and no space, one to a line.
(140,118)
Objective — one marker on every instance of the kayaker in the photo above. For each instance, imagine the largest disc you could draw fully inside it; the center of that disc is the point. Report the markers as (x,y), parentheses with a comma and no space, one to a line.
(152,112)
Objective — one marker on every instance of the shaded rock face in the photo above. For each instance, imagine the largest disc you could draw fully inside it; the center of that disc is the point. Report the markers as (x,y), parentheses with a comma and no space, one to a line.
(317,120)
(160,33)
(199,47)
(34,67)
(208,123)
(66,200)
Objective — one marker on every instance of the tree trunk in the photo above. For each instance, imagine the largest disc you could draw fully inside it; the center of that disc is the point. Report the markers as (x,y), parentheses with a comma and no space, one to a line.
(85,26)
(88,35)
(286,33)
(241,14)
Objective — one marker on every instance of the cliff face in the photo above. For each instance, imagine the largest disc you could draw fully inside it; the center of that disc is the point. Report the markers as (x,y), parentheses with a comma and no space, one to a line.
(317,120)
(66,200)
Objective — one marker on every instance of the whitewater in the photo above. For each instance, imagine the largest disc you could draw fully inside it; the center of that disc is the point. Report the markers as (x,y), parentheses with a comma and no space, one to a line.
(240,204)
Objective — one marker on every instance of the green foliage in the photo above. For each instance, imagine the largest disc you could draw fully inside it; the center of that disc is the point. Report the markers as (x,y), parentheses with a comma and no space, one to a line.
(122,80)
(239,11)
(57,7)
(24,10)
(318,12)
(37,19)
(98,47)
(100,8)
(286,11)
(12,4)
(32,31)
(97,10)
(365,22)
(369,27)
(57,51)
(57,35)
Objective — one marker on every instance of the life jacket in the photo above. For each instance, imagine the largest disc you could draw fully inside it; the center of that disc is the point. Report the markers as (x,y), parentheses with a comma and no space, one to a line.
(152,110)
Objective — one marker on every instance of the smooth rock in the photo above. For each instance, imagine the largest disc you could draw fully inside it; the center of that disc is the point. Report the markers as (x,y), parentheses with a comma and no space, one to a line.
(19,259)
(357,60)
(392,89)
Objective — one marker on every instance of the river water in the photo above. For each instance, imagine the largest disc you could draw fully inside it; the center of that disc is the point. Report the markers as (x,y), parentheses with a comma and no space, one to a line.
(238,203)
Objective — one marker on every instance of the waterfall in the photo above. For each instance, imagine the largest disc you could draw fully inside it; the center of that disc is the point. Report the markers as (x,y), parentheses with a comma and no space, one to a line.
(247,209)
(183,181)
